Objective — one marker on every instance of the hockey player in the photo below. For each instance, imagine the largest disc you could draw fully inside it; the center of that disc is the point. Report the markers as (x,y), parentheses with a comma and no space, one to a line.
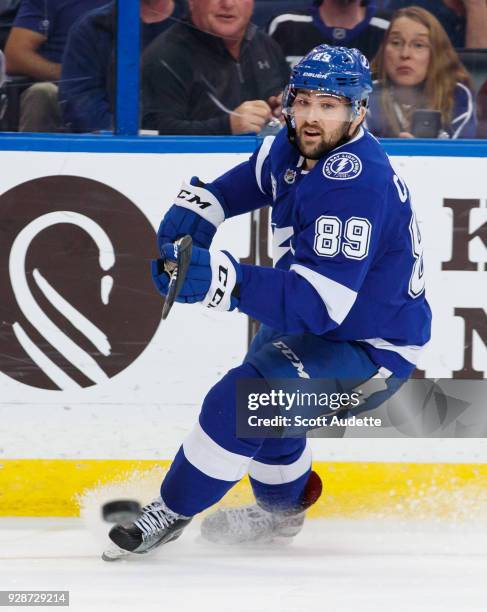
(346,295)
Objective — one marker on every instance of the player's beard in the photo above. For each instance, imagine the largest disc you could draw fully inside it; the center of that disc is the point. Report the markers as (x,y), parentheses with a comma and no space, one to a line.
(327,142)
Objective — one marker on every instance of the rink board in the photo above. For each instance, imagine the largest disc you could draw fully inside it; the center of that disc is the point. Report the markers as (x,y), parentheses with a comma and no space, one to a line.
(57,443)
(355,490)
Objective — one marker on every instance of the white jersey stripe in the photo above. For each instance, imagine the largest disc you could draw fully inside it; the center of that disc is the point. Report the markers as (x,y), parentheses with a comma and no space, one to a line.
(337,298)
(466,115)
(287,17)
(280,474)
(261,157)
(380,23)
(410,353)
(212,459)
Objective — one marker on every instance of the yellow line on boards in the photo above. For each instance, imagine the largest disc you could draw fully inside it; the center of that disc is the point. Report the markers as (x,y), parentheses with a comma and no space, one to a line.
(52,487)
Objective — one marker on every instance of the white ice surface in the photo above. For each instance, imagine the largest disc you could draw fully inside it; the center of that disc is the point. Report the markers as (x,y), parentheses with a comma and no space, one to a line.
(332,565)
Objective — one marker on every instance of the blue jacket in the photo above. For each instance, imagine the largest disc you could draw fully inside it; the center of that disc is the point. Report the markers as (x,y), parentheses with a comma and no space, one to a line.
(87,88)
(86,91)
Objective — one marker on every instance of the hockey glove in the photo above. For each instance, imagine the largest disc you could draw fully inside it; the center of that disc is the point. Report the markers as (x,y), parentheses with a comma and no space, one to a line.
(198,211)
(211,277)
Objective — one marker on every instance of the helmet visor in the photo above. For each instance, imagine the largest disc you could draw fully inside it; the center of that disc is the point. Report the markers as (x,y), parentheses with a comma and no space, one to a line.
(321,104)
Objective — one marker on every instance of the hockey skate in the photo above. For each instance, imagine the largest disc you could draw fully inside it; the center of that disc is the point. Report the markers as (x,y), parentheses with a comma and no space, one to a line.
(254,525)
(155,525)
(250,524)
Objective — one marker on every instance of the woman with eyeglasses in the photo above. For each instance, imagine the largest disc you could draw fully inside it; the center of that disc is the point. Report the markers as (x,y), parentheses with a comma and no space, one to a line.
(423,90)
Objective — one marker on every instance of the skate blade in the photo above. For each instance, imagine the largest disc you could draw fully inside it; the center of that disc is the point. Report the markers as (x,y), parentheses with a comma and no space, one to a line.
(115,554)
(260,543)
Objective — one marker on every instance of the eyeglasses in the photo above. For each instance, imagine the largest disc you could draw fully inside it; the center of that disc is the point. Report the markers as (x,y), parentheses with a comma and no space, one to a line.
(416,46)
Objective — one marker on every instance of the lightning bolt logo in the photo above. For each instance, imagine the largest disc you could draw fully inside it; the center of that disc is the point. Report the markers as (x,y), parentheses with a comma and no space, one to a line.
(342,166)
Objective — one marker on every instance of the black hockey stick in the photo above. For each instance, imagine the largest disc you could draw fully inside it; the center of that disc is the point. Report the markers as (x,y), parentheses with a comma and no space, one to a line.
(177,270)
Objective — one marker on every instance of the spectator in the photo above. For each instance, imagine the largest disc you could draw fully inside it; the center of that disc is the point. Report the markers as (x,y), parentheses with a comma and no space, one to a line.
(86,91)
(152,24)
(214,74)
(347,23)
(418,69)
(34,49)
(465,21)
(8,10)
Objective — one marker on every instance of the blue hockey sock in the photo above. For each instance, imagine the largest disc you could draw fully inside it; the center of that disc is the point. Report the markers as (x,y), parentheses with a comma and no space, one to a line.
(212,459)
(280,497)
(279,473)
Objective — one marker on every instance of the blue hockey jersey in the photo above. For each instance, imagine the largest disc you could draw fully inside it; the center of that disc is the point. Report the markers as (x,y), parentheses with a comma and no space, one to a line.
(346,247)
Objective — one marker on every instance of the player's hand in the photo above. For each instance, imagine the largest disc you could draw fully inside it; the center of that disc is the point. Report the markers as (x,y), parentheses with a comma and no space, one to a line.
(198,211)
(210,279)
(251,116)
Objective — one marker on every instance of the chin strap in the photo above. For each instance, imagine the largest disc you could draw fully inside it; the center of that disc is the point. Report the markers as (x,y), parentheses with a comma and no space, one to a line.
(291,131)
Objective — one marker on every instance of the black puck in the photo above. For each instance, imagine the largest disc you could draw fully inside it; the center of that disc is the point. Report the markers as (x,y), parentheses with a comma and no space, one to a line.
(120,510)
